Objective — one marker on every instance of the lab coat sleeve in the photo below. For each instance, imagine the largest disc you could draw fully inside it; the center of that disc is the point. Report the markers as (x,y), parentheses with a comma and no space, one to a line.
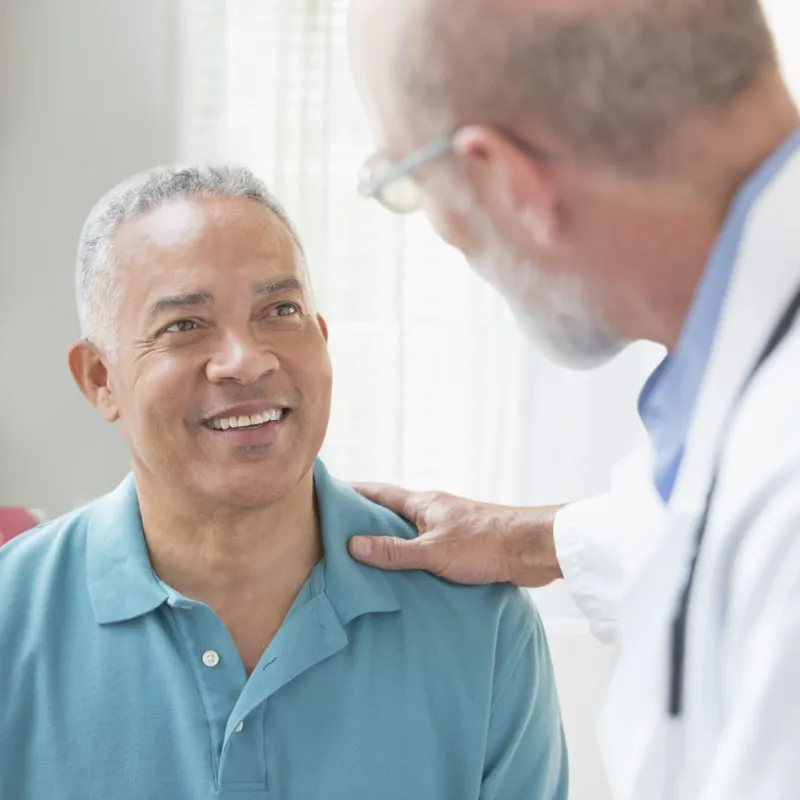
(587,536)
(602,542)
(526,755)
(757,755)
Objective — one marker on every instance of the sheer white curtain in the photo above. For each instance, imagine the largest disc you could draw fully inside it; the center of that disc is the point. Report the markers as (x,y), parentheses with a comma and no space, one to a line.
(434,386)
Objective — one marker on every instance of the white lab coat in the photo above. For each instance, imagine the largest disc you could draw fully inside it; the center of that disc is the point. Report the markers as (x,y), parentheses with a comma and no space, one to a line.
(624,556)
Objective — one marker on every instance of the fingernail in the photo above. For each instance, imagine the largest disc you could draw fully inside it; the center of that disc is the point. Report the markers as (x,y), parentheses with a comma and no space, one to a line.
(361,546)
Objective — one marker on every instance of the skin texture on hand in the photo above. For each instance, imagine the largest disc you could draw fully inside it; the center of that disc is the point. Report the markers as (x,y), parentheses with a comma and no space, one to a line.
(463,540)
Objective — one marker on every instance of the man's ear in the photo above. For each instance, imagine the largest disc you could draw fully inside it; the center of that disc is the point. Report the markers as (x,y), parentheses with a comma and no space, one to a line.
(323,326)
(91,374)
(511,180)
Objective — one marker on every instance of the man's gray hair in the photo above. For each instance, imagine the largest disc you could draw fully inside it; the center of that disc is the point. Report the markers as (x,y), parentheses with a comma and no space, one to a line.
(610,79)
(96,280)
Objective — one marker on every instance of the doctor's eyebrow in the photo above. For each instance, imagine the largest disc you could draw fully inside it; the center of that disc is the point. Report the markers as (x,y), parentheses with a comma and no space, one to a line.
(193,299)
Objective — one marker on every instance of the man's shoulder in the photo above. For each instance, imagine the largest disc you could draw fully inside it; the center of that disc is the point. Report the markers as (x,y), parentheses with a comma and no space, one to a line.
(450,607)
(41,553)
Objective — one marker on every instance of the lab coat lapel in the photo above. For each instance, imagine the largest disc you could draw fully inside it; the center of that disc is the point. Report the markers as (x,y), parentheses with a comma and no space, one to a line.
(764,279)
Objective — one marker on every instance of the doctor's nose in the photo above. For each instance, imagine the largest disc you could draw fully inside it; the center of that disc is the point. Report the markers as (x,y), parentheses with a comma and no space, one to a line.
(240,358)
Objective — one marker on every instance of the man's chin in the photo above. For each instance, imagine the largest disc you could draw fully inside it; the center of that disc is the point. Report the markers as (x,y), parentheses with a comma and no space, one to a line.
(252,486)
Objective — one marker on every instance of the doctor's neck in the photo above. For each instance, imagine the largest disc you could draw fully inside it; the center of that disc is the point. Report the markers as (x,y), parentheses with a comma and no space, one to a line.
(669,231)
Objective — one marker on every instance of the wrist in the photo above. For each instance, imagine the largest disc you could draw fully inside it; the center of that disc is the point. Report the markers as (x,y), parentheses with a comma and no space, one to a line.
(531,558)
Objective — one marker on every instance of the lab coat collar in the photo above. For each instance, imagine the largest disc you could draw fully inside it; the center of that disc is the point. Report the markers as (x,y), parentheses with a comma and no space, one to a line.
(765,276)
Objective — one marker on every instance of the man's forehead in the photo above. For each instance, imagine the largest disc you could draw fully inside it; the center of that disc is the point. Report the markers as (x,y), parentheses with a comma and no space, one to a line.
(185,247)
(189,221)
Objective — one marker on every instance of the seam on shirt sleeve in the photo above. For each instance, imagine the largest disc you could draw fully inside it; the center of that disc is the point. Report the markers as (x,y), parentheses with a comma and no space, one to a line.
(513,662)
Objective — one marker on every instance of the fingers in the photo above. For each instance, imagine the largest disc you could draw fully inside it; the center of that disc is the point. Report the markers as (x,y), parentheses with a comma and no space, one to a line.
(386,552)
(401,501)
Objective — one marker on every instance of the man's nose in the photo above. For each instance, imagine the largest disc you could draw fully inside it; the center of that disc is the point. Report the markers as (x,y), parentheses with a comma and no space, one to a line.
(239,357)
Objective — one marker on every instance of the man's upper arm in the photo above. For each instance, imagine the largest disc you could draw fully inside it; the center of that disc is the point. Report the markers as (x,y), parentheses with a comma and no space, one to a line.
(526,754)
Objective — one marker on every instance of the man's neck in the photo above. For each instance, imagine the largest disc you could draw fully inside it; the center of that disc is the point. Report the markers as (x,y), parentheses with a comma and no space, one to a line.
(231,557)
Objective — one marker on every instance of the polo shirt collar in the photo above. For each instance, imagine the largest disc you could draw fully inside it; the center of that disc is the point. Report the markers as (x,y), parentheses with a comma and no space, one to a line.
(123,586)
(352,588)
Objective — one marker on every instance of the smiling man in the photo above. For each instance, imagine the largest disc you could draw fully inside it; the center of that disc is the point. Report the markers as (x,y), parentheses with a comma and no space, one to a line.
(201,632)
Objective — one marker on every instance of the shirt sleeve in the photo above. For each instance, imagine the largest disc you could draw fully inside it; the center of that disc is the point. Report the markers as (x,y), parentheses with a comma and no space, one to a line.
(757,752)
(526,755)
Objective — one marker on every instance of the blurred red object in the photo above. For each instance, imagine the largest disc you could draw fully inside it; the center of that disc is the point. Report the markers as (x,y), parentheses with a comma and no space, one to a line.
(15,520)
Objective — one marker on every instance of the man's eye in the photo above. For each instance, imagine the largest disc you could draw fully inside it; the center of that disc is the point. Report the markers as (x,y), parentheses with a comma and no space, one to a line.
(181,326)
(286,310)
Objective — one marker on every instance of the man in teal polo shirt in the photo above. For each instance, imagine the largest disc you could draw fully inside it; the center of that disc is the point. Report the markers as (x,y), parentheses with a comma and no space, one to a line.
(201,632)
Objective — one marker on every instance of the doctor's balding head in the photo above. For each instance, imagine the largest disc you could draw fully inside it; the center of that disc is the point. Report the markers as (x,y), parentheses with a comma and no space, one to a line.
(564,143)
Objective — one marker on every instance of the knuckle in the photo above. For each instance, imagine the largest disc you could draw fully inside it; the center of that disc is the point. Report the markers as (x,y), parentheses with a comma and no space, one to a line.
(392,552)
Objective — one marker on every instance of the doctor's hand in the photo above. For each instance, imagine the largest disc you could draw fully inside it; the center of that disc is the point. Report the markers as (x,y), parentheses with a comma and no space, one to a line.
(462,540)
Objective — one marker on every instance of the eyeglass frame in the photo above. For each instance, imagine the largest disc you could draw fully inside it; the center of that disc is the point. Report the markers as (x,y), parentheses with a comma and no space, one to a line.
(373,189)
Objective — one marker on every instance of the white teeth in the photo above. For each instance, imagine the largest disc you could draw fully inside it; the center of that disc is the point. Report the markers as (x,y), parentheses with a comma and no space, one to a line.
(272,415)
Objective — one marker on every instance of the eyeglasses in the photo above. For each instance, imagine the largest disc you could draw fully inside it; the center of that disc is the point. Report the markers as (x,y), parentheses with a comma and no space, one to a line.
(392,184)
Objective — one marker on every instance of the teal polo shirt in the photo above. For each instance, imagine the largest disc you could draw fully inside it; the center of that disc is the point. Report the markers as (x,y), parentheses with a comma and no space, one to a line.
(377,686)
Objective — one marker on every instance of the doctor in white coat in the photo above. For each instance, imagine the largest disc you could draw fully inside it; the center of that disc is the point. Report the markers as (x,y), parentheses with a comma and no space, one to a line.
(625,170)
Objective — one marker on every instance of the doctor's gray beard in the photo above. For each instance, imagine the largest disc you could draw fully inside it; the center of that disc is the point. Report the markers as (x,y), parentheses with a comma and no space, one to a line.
(554,312)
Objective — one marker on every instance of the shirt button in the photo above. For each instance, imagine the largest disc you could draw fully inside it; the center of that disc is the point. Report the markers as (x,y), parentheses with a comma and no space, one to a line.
(211,658)
(239,728)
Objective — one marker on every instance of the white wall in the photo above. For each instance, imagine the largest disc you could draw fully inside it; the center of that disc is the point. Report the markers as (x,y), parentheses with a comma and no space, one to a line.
(85,99)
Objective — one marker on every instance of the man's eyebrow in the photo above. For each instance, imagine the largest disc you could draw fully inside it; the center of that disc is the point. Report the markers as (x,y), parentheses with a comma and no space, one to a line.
(273,287)
(174,301)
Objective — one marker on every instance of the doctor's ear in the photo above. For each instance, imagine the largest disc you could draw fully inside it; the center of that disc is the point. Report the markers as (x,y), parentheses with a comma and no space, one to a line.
(522,185)
(89,370)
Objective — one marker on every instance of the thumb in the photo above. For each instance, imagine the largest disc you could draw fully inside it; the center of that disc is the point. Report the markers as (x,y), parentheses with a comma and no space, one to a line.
(386,552)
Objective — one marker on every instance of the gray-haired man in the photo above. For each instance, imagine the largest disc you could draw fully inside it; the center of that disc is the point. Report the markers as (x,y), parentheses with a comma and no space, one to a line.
(202,632)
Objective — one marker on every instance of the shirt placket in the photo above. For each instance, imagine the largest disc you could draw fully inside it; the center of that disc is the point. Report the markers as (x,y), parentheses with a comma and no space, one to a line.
(221,680)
